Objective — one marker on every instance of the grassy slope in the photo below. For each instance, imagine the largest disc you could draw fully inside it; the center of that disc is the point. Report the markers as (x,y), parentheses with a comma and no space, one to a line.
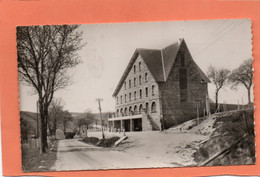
(32,161)
(229,127)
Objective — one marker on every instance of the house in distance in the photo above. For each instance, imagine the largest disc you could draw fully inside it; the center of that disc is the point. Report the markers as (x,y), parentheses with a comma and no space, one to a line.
(159,86)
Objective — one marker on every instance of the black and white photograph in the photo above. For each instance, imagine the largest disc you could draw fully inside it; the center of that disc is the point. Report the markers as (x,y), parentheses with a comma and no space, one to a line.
(136,95)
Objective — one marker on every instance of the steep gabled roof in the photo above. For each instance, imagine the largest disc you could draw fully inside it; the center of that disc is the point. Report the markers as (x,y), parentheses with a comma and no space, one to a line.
(152,59)
(158,62)
(169,56)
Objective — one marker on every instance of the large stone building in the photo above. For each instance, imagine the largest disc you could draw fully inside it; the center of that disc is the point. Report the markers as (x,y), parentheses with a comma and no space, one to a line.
(159,85)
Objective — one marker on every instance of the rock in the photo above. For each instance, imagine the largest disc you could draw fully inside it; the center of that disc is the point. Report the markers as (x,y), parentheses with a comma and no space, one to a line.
(42,167)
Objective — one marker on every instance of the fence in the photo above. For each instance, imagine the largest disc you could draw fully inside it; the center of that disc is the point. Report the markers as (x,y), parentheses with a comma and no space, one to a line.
(34,143)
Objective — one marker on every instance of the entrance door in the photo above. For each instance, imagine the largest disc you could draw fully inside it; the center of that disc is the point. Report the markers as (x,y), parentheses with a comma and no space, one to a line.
(137,124)
(127,125)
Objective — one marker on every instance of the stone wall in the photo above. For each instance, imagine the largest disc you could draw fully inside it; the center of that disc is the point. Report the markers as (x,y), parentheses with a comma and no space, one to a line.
(174,110)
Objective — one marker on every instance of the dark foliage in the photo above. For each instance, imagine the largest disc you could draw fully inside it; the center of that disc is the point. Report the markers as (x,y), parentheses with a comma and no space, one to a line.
(109,142)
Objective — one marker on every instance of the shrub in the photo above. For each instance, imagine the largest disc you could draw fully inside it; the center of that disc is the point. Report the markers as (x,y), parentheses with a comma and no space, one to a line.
(91,140)
(108,142)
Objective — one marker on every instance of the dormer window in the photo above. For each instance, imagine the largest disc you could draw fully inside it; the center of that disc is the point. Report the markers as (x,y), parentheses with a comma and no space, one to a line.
(129,83)
(140,66)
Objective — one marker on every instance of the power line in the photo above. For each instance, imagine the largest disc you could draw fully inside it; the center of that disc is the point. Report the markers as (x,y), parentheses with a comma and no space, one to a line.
(219,35)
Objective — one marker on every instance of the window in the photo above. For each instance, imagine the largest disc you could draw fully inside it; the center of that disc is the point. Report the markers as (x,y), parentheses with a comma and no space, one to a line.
(140,93)
(116,100)
(129,96)
(153,107)
(121,112)
(125,85)
(183,85)
(129,83)
(125,112)
(145,77)
(147,108)
(182,59)
(153,90)
(130,111)
(121,99)
(146,91)
(140,80)
(135,95)
(125,98)
(140,109)
(135,110)
(134,82)
(134,69)
(140,66)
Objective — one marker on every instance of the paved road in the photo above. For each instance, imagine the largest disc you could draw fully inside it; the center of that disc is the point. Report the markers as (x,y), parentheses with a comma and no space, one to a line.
(75,155)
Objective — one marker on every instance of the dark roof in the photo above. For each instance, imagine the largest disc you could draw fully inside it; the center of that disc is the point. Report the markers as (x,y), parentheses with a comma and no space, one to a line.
(159,63)
(152,58)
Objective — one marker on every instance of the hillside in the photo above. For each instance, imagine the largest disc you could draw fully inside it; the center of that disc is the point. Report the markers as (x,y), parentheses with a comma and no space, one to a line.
(29,117)
(232,139)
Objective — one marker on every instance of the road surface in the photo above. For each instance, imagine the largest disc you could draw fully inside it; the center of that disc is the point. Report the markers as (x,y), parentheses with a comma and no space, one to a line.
(75,155)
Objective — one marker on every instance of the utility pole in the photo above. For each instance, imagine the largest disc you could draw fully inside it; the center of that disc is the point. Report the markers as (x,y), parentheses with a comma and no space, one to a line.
(99,107)
(37,125)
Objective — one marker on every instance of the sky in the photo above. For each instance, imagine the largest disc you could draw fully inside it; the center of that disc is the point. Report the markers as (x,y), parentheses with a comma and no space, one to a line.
(220,43)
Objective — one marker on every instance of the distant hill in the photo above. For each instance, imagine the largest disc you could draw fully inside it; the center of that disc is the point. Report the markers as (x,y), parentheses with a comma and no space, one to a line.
(105,116)
(31,117)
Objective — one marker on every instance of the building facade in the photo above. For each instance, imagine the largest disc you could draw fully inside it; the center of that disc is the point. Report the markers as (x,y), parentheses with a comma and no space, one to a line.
(159,86)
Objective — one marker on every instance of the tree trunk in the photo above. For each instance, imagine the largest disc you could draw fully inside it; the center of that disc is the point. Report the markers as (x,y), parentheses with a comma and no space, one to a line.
(43,127)
(216,106)
(249,95)
(54,127)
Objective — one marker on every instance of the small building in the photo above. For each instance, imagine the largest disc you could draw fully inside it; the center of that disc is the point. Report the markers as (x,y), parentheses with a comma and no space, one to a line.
(159,86)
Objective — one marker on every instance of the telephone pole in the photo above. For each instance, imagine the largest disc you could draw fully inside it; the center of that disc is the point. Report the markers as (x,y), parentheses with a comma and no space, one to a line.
(99,107)
(37,123)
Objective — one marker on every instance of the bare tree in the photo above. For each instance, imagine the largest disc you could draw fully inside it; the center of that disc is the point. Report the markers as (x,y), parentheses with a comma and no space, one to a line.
(219,79)
(86,120)
(243,75)
(45,53)
(66,118)
(55,113)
